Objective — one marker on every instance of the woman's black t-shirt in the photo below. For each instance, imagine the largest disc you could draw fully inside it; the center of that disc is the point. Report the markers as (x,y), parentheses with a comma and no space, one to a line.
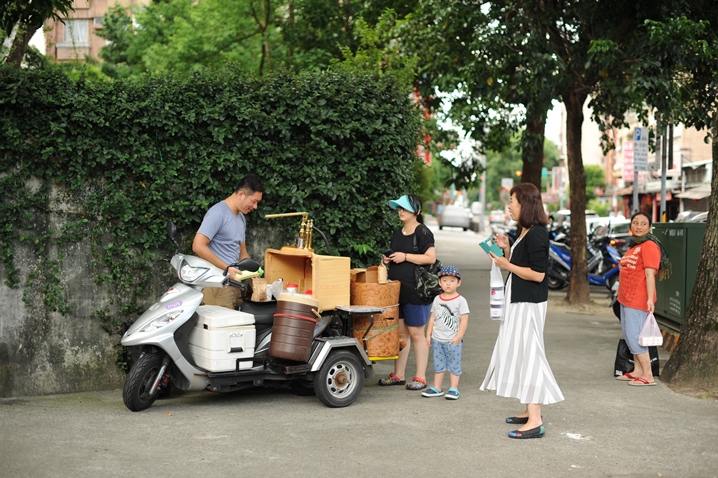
(404,271)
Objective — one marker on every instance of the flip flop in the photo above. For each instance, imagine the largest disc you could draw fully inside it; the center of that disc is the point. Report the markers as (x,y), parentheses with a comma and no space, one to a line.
(642,382)
(626,377)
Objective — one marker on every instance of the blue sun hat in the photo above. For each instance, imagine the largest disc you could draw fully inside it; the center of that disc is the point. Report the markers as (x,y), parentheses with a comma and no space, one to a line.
(402,202)
(450,271)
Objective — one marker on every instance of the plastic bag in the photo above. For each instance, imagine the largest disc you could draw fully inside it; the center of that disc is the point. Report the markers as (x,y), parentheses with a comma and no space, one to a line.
(650,333)
(496,300)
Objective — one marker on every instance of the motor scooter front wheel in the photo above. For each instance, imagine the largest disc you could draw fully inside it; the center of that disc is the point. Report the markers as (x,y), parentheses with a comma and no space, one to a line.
(139,381)
(340,380)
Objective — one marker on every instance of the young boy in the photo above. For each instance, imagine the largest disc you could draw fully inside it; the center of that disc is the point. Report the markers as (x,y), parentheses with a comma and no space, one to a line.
(445,332)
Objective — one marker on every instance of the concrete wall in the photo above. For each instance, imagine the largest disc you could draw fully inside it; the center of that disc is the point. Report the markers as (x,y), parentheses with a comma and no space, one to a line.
(44,352)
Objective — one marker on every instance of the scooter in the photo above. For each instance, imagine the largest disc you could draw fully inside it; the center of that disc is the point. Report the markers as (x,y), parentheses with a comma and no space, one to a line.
(163,345)
(602,263)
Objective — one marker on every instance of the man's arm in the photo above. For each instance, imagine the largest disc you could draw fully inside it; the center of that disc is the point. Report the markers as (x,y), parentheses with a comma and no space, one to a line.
(200,246)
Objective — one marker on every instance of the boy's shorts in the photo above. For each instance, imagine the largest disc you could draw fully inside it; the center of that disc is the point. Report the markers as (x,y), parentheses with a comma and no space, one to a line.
(415,315)
(447,356)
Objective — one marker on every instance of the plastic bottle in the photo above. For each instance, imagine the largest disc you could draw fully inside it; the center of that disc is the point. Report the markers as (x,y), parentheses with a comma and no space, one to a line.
(277,287)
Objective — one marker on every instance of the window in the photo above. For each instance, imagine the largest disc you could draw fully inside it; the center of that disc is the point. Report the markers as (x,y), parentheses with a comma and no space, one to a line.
(76,33)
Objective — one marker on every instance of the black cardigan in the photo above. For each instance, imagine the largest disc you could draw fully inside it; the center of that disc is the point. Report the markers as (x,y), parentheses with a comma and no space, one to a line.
(531,252)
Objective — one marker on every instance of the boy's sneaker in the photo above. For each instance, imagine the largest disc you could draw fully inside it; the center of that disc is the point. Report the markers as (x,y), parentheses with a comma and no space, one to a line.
(452,394)
(432,392)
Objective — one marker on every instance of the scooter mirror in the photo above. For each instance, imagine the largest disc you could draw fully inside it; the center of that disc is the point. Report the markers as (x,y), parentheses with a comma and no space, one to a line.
(172,232)
(247,264)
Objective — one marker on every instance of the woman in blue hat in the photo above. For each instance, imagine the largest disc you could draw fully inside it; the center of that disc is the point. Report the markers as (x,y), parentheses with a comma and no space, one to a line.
(412,245)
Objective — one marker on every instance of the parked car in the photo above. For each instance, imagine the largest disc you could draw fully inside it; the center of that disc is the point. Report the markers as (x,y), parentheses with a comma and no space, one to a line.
(701,217)
(687,216)
(454,216)
(496,216)
(619,232)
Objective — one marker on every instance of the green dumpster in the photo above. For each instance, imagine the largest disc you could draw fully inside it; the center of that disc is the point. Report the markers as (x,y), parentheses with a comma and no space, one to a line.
(683,242)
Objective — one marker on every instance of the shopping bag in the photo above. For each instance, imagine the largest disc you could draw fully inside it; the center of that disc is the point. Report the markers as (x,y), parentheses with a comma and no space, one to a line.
(496,299)
(650,333)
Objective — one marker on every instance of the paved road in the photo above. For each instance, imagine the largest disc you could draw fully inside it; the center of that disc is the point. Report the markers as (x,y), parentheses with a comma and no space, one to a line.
(604,428)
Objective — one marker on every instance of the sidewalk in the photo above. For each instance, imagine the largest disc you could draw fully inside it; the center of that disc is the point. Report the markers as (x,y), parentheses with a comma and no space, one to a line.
(604,428)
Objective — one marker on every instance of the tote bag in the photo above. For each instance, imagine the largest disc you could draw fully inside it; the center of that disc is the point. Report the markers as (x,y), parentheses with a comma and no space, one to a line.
(496,298)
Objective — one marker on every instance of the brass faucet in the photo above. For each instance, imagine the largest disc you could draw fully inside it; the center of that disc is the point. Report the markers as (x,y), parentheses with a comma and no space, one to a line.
(304,238)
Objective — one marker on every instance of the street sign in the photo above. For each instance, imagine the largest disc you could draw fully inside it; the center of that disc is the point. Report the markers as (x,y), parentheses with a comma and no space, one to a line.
(640,149)
(627,150)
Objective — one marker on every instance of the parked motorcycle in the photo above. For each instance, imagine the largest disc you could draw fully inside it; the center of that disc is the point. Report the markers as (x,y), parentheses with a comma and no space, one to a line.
(602,263)
(615,305)
(163,343)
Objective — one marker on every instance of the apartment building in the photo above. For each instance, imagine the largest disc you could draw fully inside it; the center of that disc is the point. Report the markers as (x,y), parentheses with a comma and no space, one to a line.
(75,38)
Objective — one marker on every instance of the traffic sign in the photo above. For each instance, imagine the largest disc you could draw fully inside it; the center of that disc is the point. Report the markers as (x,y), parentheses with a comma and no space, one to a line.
(640,149)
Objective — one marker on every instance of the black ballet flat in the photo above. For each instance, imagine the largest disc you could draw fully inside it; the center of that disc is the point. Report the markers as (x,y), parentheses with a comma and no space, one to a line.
(518,420)
(537,432)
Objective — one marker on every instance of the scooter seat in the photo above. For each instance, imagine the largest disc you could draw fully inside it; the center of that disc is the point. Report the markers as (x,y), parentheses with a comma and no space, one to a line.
(263,312)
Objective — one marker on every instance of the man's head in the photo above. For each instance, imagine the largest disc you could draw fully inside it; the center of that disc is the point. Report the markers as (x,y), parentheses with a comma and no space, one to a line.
(248,193)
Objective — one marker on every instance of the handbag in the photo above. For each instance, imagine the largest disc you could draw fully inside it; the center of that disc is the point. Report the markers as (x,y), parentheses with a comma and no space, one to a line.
(427,278)
(650,333)
(624,359)
(427,281)
(496,298)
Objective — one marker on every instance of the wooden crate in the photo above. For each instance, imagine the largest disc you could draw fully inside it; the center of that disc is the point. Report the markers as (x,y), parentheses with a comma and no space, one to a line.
(326,276)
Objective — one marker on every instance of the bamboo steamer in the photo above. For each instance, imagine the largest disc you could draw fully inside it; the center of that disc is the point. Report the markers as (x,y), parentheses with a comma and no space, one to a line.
(383,337)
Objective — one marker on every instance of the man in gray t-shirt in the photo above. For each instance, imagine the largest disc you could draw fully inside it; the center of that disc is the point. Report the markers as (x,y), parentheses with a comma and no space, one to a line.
(221,237)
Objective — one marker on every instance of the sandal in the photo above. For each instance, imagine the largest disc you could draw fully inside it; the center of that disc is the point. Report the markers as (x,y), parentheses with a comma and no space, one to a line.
(416,384)
(626,377)
(392,379)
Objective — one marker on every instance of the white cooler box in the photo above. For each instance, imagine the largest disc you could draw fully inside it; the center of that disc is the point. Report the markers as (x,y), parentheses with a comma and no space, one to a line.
(220,337)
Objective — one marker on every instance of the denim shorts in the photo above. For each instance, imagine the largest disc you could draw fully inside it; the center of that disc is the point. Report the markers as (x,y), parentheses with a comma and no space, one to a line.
(415,315)
(631,324)
(447,356)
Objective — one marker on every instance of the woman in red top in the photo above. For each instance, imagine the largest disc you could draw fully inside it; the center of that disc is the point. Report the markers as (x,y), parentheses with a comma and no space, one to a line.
(637,294)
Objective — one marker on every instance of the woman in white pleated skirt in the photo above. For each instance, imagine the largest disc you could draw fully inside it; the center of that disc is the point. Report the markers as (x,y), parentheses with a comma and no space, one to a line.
(519,368)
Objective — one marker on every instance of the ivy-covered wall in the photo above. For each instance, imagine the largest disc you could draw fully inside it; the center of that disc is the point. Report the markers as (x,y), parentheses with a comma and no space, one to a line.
(91,172)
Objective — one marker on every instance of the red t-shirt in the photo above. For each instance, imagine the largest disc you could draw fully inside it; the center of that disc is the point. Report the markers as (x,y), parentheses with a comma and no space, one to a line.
(632,279)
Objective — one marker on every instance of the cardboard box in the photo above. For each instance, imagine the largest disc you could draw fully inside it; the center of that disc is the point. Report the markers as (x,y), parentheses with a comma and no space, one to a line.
(326,276)
(368,275)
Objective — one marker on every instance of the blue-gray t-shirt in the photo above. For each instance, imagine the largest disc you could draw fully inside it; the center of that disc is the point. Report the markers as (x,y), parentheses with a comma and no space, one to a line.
(225,230)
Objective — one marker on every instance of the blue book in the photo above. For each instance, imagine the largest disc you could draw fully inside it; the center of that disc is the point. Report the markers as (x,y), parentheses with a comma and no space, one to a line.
(490,246)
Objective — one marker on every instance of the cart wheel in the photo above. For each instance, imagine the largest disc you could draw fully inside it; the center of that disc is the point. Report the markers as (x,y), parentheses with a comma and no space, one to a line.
(340,379)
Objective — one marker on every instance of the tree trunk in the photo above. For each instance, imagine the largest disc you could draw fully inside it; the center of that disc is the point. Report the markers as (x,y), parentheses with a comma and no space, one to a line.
(578,292)
(532,150)
(694,362)
(23,35)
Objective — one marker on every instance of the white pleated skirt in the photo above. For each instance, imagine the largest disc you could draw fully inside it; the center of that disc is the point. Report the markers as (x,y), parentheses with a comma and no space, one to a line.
(519,368)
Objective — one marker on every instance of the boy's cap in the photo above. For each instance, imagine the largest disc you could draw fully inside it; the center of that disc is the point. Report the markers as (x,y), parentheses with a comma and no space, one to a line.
(450,271)
(402,202)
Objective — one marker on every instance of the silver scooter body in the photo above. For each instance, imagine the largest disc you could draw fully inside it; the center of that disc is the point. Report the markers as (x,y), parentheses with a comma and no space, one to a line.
(158,324)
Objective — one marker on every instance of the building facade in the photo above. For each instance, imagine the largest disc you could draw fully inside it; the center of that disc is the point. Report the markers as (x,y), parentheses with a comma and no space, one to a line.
(75,38)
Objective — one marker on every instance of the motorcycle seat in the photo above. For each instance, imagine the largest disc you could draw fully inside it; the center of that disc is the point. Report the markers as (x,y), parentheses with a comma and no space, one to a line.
(263,312)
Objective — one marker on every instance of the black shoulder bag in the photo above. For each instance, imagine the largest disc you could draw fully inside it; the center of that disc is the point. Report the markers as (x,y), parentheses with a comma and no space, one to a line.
(427,279)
